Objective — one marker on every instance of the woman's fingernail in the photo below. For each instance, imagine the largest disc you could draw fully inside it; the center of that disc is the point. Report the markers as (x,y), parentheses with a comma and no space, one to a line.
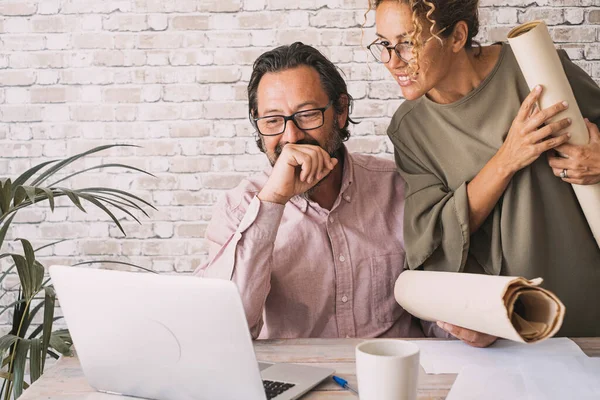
(564,103)
(538,88)
(440,324)
(569,120)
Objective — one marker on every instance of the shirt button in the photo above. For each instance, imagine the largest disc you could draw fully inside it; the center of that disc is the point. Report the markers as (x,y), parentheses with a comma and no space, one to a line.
(344,299)
(342,258)
(331,219)
(347,198)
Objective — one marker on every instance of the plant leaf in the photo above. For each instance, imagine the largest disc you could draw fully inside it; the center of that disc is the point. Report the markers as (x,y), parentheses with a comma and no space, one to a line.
(100,167)
(19,366)
(48,320)
(51,171)
(116,205)
(4,229)
(33,195)
(35,359)
(38,275)
(50,244)
(31,316)
(19,195)
(58,343)
(36,269)
(11,305)
(63,334)
(30,172)
(28,250)
(6,341)
(8,270)
(73,196)
(113,262)
(101,206)
(24,275)
(122,200)
(5,195)
(18,312)
(110,190)
(38,329)
(49,195)
(30,192)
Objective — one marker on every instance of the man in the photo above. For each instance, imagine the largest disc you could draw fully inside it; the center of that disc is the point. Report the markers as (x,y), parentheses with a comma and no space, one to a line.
(314,245)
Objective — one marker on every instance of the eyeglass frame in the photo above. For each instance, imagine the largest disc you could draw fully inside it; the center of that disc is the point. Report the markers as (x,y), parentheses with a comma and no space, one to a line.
(390,48)
(291,117)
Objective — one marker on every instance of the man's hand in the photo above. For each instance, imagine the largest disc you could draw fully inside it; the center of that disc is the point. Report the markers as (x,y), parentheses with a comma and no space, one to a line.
(472,338)
(298,168)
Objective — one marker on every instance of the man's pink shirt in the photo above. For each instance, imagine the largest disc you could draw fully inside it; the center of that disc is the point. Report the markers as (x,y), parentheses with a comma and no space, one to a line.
(305,271)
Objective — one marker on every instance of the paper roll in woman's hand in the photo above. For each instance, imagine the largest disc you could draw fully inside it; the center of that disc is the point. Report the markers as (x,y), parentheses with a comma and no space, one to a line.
(535,52)
(508,307)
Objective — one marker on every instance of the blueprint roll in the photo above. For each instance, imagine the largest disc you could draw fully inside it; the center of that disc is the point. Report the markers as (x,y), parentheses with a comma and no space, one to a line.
(540,64)
(509,307)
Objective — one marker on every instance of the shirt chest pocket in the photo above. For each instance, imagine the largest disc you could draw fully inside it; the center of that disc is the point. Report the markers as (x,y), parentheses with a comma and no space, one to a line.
(384,270)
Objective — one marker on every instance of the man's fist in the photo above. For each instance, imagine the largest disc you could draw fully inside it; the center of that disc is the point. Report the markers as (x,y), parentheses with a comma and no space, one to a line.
(298,168)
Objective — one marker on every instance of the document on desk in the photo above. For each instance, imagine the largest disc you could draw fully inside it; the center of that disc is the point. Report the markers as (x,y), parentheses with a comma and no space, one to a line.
(509,307)
(451,356)
(541,378)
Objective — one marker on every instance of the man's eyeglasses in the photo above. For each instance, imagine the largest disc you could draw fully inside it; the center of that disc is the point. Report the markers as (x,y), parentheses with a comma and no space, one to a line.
(403,50)
(306,120)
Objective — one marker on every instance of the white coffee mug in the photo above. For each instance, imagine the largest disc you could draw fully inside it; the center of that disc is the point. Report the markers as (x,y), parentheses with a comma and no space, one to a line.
(387,369)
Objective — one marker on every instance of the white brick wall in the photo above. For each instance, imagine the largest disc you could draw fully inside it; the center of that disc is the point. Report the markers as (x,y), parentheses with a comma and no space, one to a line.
(170,75)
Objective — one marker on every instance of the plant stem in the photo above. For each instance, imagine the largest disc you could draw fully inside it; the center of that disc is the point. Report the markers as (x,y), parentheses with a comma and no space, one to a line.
(10,367)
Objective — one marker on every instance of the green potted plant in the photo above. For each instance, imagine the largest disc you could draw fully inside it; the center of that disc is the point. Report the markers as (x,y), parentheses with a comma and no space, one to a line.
(35,293)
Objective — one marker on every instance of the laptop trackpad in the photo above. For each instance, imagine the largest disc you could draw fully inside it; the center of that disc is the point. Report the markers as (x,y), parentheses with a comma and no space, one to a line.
(264,365)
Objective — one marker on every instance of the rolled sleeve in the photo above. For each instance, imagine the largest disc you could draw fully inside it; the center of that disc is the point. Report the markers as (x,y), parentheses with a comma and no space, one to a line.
(436,219)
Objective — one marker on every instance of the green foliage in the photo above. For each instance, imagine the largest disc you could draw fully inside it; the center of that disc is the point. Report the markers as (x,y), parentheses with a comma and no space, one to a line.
(21,343)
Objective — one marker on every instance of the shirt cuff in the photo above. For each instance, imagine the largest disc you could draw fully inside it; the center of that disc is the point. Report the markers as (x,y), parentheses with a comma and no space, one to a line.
(261,221)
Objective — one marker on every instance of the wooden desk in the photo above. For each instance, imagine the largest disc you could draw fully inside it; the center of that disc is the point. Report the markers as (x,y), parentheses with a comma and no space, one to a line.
(65,380)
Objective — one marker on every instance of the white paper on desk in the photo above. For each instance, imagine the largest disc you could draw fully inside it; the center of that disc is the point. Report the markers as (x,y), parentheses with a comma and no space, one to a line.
(541,378)
(451,356)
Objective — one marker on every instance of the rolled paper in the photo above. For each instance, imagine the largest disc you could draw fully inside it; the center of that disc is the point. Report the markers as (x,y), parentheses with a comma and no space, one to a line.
(539,61)
(504,306)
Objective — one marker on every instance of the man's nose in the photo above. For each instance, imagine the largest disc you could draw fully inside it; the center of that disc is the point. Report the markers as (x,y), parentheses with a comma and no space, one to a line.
(292,133)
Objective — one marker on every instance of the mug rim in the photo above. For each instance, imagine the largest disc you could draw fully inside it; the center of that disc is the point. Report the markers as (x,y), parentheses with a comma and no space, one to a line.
(415,349)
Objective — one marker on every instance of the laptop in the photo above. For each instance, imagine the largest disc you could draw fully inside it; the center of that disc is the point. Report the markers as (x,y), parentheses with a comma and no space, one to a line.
(167,337)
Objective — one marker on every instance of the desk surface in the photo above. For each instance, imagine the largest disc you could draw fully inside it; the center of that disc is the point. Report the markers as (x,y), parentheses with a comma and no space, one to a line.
(65,380)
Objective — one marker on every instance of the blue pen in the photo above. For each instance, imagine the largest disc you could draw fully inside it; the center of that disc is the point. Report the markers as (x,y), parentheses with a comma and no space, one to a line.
(344,383)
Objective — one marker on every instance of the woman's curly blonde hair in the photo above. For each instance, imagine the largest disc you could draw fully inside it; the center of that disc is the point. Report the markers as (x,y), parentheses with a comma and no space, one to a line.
(442,15)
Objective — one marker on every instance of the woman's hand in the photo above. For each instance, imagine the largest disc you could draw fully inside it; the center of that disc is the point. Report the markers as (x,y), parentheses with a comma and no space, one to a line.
(526,139)
(472,338)
(582,167)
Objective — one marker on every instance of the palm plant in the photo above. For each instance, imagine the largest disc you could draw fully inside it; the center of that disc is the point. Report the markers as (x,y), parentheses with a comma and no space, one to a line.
(22,342)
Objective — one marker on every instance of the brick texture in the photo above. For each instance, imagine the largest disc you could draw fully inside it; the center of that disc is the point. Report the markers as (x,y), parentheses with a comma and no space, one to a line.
(170,75)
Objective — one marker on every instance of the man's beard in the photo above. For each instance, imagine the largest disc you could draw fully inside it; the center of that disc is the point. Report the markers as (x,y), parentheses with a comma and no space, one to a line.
(333,147)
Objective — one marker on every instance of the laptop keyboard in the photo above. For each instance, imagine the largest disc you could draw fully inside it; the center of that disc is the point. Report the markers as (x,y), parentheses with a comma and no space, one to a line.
(274,388)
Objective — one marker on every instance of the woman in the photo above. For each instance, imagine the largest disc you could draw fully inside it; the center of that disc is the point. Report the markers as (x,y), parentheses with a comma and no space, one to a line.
(470,143)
